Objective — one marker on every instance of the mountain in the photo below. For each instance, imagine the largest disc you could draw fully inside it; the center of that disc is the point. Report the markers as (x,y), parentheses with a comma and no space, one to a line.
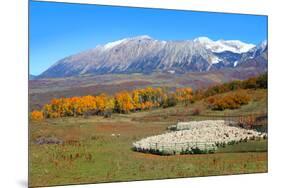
(32,77)
(143,54)
(256,56)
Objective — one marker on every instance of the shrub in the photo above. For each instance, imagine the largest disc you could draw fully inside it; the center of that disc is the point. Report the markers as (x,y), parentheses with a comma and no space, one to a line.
(251,83)
(229,101)
(37,115)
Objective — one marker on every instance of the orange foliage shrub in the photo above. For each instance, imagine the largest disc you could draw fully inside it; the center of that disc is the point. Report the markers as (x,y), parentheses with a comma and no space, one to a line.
(37,115)
(251,83)
(229,101)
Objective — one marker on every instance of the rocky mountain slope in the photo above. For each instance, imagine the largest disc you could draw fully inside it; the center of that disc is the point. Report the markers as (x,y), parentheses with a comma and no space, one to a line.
(143,54)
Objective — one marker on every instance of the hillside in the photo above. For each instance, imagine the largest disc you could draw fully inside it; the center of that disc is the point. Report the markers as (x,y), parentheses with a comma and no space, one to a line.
(231,95)
(43,90)
(103,144)
(99,144)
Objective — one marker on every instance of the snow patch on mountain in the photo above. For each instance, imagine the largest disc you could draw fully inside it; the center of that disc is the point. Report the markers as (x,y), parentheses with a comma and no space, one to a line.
(215,60)
(113,44)
(219,46)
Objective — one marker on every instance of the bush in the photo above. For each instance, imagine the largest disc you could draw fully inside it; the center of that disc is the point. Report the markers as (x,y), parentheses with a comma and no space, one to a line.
(37,115)
(229,101)
(251,83)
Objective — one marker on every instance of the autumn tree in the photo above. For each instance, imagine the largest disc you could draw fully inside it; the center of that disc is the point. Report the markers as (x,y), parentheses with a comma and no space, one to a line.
(184,95)
(123,102)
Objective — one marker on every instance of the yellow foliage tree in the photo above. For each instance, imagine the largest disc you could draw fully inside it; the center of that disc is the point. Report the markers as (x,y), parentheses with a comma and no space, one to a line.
(123,102)
(184,95)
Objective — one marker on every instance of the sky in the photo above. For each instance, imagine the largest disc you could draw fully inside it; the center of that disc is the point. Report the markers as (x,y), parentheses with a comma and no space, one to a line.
(57,30)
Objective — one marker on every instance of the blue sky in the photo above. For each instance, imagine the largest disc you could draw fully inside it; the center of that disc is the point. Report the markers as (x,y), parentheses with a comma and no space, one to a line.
(59,29)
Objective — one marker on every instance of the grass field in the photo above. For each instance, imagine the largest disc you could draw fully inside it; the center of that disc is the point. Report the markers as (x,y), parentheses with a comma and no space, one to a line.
(98,149)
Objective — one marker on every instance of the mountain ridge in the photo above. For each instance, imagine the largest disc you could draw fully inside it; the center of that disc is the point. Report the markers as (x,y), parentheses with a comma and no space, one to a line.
(143,54)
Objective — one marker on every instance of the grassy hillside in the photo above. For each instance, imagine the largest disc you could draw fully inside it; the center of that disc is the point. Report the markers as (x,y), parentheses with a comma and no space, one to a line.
(98,149)
(258,105)
(43,90)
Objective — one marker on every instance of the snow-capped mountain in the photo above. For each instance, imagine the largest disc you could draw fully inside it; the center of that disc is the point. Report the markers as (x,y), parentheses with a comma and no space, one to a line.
(143,54)
(256,56)
(234,46)
(254,52)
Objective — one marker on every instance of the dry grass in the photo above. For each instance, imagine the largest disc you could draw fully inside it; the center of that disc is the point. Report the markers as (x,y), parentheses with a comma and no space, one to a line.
(98,149)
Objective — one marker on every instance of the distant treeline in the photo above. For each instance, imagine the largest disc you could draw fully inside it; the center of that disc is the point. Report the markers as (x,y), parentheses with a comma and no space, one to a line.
(121,102)
(259,82)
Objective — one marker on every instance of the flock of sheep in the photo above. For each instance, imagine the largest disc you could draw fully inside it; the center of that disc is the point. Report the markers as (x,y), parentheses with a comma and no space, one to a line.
(197,137)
